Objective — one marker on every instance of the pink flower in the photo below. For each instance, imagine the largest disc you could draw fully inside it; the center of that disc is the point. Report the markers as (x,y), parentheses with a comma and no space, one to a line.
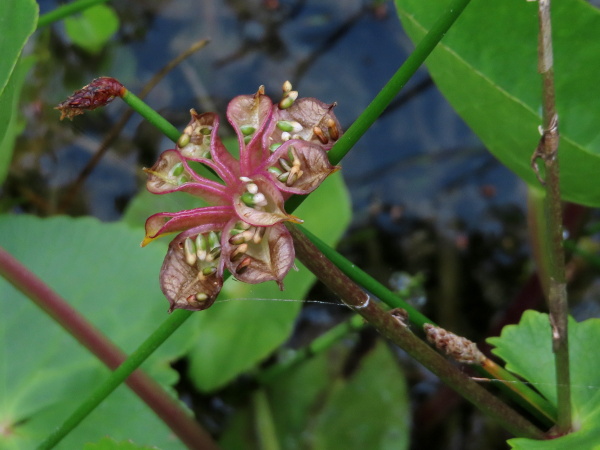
(282,152)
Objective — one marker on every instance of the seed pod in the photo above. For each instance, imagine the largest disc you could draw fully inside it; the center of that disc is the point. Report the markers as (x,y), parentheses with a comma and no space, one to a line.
(333,130)
(243,266)
(320,135)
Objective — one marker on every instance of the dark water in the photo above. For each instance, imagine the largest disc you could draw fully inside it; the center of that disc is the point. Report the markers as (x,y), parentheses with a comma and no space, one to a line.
(419,156)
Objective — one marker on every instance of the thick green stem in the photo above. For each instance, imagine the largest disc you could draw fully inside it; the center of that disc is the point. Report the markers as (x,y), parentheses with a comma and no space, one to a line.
(360,302)
(556,283)
(66,10)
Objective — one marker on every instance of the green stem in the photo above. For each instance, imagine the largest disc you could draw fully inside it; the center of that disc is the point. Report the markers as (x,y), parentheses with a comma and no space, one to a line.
(151,116)
(263,421)
(318,345)
(66,10)
(360,302)
(173,322)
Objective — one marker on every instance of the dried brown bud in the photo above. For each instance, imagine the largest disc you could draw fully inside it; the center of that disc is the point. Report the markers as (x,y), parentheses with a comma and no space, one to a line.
(99,92)
(458,348)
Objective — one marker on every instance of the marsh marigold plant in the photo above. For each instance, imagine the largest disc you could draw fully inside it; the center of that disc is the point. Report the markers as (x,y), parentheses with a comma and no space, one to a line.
(282,152)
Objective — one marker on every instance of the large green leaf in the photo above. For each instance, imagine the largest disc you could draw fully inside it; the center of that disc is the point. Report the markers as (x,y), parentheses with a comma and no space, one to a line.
(18,19)
(486,66)
(92,29)
(527,350)
(316,406)
(101,270)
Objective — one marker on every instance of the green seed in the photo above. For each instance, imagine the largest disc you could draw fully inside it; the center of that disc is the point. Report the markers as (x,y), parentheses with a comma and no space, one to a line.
(189,249)
(283,177)
(274,146)
(286,102)
(285,164)
(247,139)
(201,297)
(213,240)
(205,131)
(177,169)
(183,140)
(237,239)
(208,271)
(275,171)
(247,130)
(247,198)
(284,125)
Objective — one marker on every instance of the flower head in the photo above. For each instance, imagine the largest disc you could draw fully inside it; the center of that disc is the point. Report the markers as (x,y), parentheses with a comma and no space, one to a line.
(282,152)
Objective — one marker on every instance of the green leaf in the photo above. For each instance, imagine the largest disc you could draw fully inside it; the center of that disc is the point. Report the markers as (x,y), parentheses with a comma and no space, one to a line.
(486,67)
(316,406)
(93,28)
(527,350)
(244,327)
(10,125)
(101,270)
(17,22)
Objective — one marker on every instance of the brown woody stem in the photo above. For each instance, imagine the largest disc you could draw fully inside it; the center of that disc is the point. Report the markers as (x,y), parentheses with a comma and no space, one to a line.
(359,301)
(555,285)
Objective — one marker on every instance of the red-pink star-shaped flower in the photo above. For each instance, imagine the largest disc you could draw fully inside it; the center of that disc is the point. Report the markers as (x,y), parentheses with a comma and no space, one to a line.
(282,152)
